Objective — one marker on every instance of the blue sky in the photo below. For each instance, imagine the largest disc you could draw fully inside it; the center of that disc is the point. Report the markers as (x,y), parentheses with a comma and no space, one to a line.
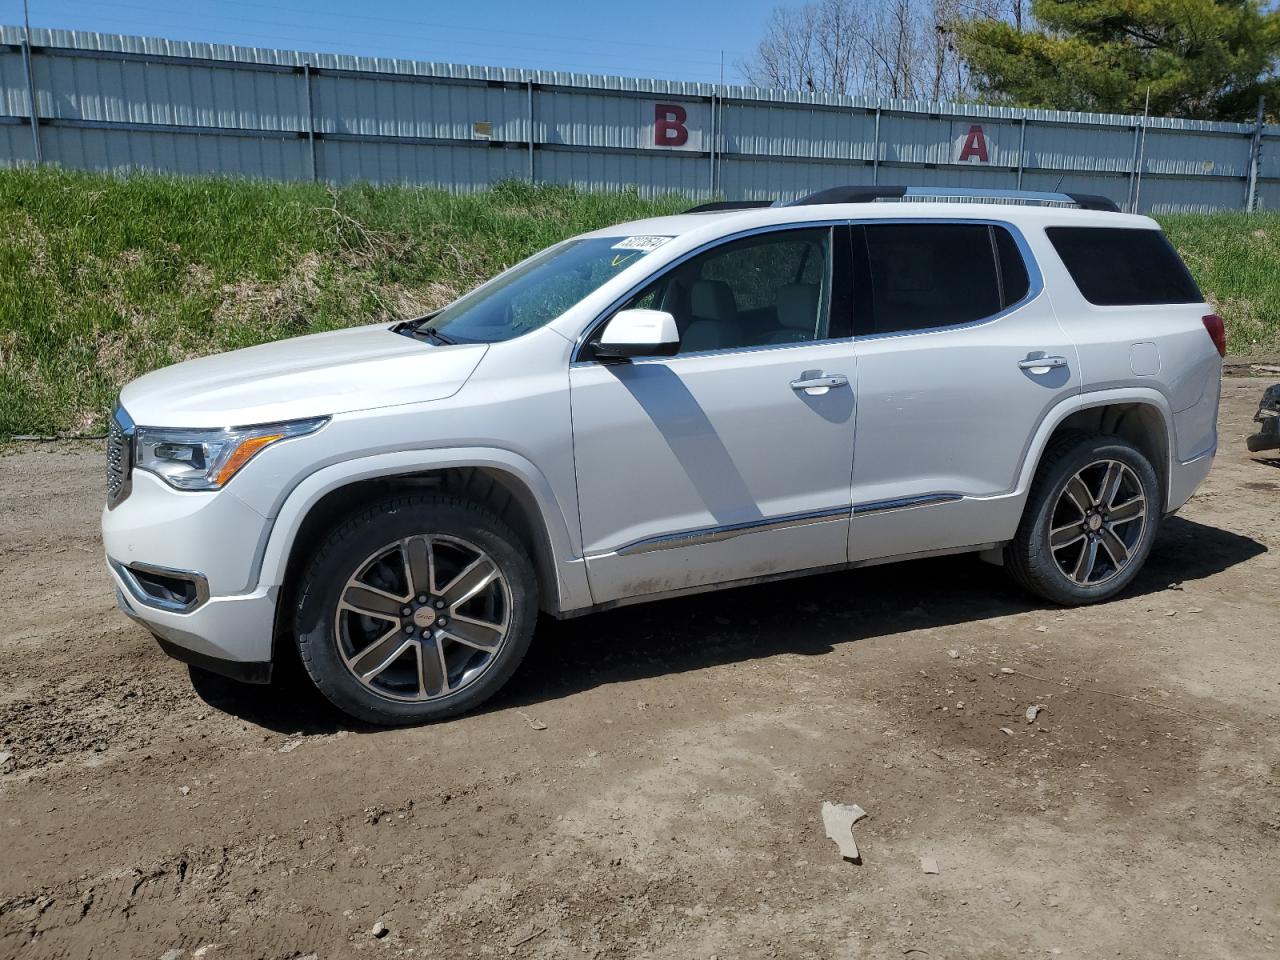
(669,39)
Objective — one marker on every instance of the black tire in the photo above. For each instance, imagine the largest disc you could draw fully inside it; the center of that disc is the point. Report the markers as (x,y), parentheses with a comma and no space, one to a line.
(1028,557)
(319,628)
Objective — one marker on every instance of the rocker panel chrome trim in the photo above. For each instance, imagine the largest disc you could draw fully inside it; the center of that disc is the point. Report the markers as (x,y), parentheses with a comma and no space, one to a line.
(691,538)
(903,503)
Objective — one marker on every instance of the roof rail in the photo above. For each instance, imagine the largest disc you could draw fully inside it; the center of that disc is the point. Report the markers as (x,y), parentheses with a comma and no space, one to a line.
(849,195)
(852,194)
(1094,201)
(718,205)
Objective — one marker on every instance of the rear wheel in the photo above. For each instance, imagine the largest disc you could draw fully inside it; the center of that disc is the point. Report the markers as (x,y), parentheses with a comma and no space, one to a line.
(1090,520)
(416,609)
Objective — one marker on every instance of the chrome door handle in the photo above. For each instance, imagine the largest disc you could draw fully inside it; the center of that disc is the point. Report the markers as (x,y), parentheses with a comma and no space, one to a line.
(823,382)
(1039,363)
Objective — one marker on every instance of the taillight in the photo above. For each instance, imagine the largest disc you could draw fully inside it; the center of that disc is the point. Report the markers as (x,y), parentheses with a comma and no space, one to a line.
(1217,332)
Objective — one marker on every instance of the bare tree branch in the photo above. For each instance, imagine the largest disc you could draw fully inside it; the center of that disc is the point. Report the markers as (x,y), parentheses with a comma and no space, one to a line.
(879,48)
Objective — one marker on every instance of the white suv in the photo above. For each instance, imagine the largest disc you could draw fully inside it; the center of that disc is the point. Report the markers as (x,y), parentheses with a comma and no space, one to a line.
(735,394)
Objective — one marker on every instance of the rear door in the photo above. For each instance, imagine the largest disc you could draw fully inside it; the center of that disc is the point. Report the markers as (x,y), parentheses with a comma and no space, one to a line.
(728,461)
(960,355)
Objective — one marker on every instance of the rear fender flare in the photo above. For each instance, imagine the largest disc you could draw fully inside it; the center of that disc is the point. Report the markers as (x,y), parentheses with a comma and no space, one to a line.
(1085,401)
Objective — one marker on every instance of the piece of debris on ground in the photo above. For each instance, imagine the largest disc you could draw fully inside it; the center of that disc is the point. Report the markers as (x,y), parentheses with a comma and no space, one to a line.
(838,820)
(534,722)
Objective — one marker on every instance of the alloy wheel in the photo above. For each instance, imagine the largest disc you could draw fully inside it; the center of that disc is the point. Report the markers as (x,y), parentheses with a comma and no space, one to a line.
(1098,522)
(423,618)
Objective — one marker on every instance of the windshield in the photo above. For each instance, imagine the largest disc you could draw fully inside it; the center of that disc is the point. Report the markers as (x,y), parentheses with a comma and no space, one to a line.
(537,291)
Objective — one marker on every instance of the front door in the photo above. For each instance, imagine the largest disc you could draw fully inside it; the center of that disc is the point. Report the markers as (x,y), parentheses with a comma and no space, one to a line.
(730,460)
(960,356)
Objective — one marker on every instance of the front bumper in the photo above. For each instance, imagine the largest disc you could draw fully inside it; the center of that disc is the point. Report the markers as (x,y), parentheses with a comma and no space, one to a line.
(227,635)
(225,621)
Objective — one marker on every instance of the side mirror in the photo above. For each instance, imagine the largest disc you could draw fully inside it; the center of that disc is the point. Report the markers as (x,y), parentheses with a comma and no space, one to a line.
(638,333)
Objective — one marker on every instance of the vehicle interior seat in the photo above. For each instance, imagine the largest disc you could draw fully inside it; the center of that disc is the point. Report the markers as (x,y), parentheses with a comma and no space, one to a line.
(713,313)
(797,313)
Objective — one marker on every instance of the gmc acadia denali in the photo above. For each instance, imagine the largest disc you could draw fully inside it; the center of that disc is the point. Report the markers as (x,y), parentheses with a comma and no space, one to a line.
(739,393)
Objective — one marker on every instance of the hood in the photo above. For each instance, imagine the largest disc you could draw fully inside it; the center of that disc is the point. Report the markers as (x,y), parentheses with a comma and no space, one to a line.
(325,373)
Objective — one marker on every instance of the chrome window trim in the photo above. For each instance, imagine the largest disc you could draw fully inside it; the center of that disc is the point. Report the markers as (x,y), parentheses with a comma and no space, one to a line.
(725,352)
(1035,278)
(603,316)
(125,572)
(713,534)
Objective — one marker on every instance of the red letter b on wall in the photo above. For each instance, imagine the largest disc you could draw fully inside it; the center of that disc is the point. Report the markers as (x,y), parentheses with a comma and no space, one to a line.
(668,125)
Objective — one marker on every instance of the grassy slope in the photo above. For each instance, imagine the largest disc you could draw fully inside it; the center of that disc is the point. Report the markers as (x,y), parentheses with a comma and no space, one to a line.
(1236,260)
(103,278)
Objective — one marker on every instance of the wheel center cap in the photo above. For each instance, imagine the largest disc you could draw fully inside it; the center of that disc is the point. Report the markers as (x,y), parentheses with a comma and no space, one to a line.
(424,617)
(1095,523)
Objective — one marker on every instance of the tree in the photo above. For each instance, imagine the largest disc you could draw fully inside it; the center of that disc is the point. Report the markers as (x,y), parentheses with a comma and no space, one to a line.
(1209,59)
(895,48)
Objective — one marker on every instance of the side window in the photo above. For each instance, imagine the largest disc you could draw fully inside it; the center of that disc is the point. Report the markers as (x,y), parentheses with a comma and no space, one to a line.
(1117,266)
(929,275)
(772,288)
(1014,281)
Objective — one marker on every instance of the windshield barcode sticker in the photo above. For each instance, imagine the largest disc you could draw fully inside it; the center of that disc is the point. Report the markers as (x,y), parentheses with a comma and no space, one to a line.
(646,244)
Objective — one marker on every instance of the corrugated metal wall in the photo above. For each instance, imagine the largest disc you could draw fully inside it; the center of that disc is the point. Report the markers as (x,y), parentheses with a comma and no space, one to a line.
(107,102)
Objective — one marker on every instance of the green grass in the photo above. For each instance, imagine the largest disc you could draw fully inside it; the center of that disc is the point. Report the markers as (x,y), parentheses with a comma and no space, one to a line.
(103,278)
(1236,260)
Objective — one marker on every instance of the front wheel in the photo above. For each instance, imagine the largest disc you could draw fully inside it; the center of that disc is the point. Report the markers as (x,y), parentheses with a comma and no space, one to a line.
(1089,523)
(416,609)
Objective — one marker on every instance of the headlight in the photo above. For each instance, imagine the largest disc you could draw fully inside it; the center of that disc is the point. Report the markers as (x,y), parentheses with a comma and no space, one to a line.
(207,459)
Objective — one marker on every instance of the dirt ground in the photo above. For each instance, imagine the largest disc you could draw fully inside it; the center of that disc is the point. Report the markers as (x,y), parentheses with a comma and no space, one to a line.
(671,806)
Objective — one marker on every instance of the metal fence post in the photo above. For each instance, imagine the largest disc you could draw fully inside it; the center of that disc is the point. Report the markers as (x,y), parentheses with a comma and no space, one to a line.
(1022,150)
(311,119)
(875,151)
(711,148)
(1255,159)
(1142,162)
(530,119)
(1133,171)
(719,141)
(31,95)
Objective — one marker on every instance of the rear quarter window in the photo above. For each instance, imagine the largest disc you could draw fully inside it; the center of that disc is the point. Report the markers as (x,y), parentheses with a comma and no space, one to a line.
(1124,267)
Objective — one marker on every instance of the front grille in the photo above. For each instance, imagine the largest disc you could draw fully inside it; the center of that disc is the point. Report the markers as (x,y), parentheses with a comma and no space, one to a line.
(119,457)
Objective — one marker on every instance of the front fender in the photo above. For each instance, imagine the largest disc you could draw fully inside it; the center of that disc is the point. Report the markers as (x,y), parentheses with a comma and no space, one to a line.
(568,570)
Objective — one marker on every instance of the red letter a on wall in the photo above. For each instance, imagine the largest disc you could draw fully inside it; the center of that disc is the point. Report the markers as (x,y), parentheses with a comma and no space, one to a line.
(668,125)
(975,145)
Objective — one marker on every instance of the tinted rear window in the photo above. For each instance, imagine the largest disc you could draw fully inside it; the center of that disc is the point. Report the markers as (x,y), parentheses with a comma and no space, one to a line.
(1115,266)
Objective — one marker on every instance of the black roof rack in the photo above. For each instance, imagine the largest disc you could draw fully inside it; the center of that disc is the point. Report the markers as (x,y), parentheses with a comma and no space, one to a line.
(719,205)
(1094,201)
(849,195)
(863,194)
